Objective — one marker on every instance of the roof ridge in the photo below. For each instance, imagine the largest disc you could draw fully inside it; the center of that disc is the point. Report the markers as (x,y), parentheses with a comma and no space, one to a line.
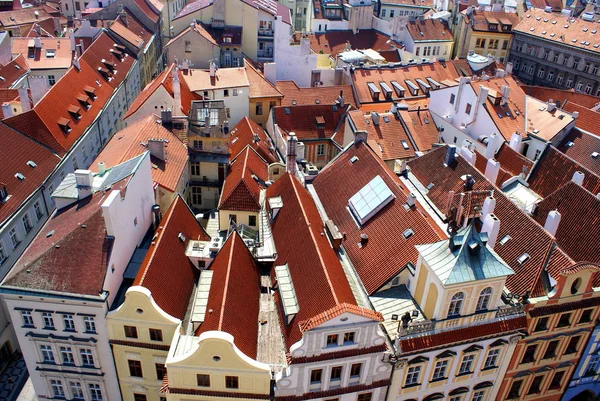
(233,238)
(263,77)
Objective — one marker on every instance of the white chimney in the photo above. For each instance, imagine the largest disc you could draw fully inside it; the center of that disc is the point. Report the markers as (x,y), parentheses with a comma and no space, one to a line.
(37,42)
(575,114)
(300,151)
(6,110)
(38,85)
(505,92)
(291,153)
(76,63)
(270,72)
(375,117)
(550,106)
(213,69)
(492,168)
(489,204)
(411,199)
(509,67)
(461,85)
(157,148)
(24,98)
(84,180)
(578,177)
(467,155)
(360,136)
(552,221)
(481,99)
(491,226)
(72,38)
(176,93)
(490,150)
(101,168)
(515,142)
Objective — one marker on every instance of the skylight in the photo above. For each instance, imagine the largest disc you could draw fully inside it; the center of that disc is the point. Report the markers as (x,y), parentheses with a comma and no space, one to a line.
(408,233)
(523,258)
(504,239)
(287,292)
(405,145)
(370,199)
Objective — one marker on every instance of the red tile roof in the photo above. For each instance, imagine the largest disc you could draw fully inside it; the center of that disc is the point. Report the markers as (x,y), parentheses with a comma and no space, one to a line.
(387,252)
(148,10)
(23,16)
(302,121)
(293,95)
(587,120)
(192,7)
(128,143)
(13,71)
(244,134)
(234,296)
(166,271)
(259,86)
(241,191)
(336,311)
(581,148)
(99,53)
(334,42)
(512,164)
(15,152)
(317,275)
(421,127)
(335,355)
(563,96)
(429,30)
(7,96)
(555,169)
(61,58)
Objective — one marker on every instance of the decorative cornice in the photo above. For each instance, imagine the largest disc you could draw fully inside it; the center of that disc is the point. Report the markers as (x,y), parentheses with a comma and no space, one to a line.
(335,392)
(337,354)
(159,347)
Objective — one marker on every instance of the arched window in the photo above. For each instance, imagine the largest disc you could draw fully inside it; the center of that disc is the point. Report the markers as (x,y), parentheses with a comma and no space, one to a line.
(456,304)
(484,299)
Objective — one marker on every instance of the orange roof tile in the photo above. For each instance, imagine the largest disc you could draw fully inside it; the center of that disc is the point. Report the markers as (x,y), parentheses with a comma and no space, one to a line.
(480,21)
(241,191)
(293,95)
(421,128)
(200,80)
(122,31)
(429,30)
(335,42)
(259,86)
(587,119)
(23,16)
(302,121)
(580,146)
(561,95)
(58,48)
(192,7)
(248,133)
(148,10)
(337,311)
(166,270)
(11,72)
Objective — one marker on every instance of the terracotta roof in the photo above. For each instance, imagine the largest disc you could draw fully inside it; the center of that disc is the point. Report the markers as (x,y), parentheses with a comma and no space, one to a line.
(234,296)
(336,311)
(429,30)
(334,42)
(566,31)
(554,169)
(556,309)
(302,120)
(58,48)
(388,139)
(199,29)
(241,191)
(578,232)
(285,13)
(243,134)
(556,5)
(259,86)
(416,3)
(23,16)
(478,331)
(43,28)
(481,20)
(526,236)
(7,96)
(15,152)
(318,277)
(587,119)
(166,270)
(512,163)
(148,10)
(200,80)
(125,33)
(13,71)
(421,128)
(545,124)
(561,95)
(293,95)
(192,7)
(391,56)
(580,146)
(386,252)
(338,392)
(55,262)
(99,53)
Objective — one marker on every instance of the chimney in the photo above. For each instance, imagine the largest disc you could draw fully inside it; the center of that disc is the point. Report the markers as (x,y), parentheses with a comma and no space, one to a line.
(450,155)
(6,110)
(37,42)
(500,73)
(291,153)
(492,168)
(84,180)
(82,46)
(375,117)
(575,114)
(157,148)
(509,67)
(505,92)
(78,50)
(550,106)
(578,177)
(552,221)
(468,182)
(489,204)
(270,72)
(481,99)
(461,85)
(213,69)
(468,155)
(155,216)
(341,99)
(360,136)
(24,98)
(515,142)
(300,151)
(491,226)
(166,117)
(123,17)
(411,199)
(176,92)
(76,63)
(101,168)
(364,239)
(72,38)
(490,150)
(57,27)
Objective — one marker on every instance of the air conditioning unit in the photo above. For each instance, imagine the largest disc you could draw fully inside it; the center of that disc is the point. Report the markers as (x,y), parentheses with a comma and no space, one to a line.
(215,244)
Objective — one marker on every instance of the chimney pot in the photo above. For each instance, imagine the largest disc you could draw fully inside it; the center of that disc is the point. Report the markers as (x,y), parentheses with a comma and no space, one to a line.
(491,226)
(450,155)
(552,222)
(364,238)
(101,168)
(6,110)
(375,117)
(578,177)
(360,136)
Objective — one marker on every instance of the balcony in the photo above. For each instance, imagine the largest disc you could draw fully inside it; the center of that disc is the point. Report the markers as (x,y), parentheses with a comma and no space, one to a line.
(204,182)
(267,32)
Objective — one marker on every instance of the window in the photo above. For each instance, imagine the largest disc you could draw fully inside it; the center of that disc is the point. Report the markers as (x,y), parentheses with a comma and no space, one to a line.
(556,384)
(203,380)
(579,86)
(27,318)
(364,397)
(3,255)
(47,354)
(565,320)
(26,223)
(252,221)
(231,382)
(569,82)
(161,371)
(51,80)
(531,69)
(412,376)
(504,44)
(491,361)
(188,46)
(493,44)
(332,340)
(235,92)
(586,316)
(466,366)
(484,299)
(156,334)
(559,79)
(383,11)
(355,369)
(541,73)
(38,210)
(592,368)
(135,368)
(572,346)
(456,302)
(87,358)
(130,331)
(550,76)
(478,395)
(48,320)
(195,168)
(315,376)
(468,108)
(336,373)
(349,338)
(90,324)
(198,145)
(417,51)
(551,350)
(534,388)
(555,58)
(452,98)
(57,389)
(515,389)
(95,392)
(196,195)
(392,13)
(259,108)
(529,355)
(480,43)
(226,93)
(321,149)
(14,239)
(440,370)
(66,353)
(76,390)
(139,397)
(595,69)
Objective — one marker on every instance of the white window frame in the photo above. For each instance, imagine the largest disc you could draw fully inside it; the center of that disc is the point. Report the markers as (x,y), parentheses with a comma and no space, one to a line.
(321,149)
(47,354)
(413,374)
(48,320)
(38,210)
(87,356)
(90,324)
(466,365)
(491,360)
(95,392)
(27,318)
(58,391)
(440,369)
(68,352)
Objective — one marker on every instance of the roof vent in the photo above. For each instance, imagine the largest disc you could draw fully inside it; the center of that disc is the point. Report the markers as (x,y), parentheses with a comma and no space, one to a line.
(19,176)
(50,234)
(504,239)
(31,164)
(523,258)
(595,155)
(408,233)
(364,239)
(181,237)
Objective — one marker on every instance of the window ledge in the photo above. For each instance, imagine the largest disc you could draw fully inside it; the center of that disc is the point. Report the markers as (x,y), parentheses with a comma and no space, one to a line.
(438,379)
(489,368)
(411,385)
(464,374)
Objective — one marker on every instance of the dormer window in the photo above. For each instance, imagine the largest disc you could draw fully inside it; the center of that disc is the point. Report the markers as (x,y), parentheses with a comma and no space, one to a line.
(226,39)
(63,123)
(320,122)
(74,111)
(91,92)
(456,304)
(3,193)
(84,100)
(507,28)
(50,53)
(493,27)
(105,73)
(110,66)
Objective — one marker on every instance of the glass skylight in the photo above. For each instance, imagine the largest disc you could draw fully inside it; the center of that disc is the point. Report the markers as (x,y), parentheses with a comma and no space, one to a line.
(370,199)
